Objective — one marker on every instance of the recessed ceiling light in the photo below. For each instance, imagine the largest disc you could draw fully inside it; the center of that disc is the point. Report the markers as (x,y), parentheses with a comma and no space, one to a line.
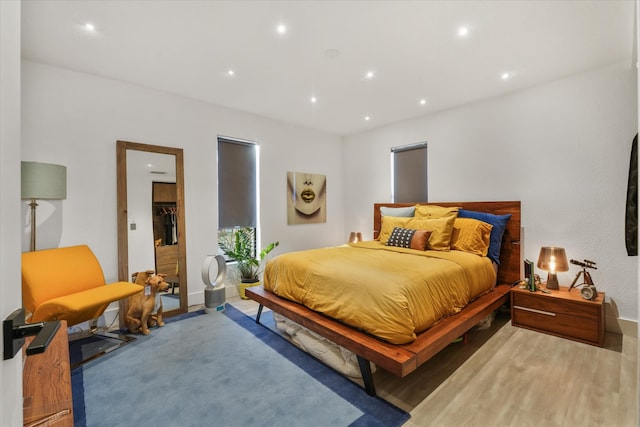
(505,76)
(367,118)
(369,75)
(314,100)
(423,101)
(331,53)
(231,73)
(281,29)
(89,27)
(463,31)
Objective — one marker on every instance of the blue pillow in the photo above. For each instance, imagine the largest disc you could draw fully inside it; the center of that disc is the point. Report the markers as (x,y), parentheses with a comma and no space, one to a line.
(499,223)
(397,212)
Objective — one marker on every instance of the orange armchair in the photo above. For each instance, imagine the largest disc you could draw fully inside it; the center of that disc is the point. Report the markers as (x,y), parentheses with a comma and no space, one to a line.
(68,284)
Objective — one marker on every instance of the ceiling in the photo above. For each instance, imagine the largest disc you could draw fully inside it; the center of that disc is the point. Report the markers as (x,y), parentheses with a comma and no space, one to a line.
(412,48)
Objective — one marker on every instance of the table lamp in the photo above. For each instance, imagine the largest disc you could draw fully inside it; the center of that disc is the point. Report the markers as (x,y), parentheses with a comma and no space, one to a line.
(355,237)
(42,181)
(552,259)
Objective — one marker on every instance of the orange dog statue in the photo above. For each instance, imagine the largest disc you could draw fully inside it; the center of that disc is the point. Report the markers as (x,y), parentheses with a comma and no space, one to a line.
(143,304)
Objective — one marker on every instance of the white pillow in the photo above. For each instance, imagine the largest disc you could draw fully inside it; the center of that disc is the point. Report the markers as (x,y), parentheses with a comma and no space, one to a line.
(399,212)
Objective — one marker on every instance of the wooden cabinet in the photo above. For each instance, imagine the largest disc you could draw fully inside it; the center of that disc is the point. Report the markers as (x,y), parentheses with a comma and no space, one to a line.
(561,313)
(164,192)
(167,262)
(165,224)
(46,384)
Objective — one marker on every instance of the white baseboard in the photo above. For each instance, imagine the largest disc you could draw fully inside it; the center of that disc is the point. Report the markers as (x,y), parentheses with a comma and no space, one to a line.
(110,315)
(621,326)
(612,323)
(197,298)
(616,325)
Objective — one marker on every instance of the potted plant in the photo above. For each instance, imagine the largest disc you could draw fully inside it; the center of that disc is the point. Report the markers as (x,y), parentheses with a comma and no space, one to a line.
(238,245)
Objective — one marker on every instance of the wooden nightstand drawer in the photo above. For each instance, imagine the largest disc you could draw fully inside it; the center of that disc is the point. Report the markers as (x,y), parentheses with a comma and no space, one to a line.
(560,313)
(588,312)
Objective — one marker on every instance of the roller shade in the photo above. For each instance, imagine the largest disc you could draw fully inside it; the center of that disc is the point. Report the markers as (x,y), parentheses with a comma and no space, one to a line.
(237,183)
(410,173)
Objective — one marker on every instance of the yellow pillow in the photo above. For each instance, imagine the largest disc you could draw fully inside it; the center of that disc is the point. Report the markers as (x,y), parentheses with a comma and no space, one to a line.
(433,211)
(388,224)
(441,229)
(471,235)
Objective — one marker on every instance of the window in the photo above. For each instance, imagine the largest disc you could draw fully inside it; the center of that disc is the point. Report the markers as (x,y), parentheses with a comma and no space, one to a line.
(409,173)
(237,185)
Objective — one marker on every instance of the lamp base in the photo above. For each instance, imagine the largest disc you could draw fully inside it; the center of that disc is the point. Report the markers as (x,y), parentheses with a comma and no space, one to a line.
(33,206)
(552,282)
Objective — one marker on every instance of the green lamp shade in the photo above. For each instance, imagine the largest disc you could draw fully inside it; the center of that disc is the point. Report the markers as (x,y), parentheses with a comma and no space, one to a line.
(43,181)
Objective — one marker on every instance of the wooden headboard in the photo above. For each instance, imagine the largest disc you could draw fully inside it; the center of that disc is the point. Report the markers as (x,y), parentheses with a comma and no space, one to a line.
(510,254)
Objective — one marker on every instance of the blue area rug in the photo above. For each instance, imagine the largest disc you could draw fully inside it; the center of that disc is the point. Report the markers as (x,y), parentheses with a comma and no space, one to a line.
(219,369)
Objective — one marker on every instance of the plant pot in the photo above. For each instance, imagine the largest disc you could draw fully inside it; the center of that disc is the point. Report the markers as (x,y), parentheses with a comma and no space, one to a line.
(244,285)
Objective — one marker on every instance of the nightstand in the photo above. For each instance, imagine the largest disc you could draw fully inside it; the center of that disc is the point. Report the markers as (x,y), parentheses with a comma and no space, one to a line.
(561,313)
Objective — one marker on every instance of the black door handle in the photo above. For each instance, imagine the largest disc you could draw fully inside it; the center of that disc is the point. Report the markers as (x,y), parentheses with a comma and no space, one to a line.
(14,329)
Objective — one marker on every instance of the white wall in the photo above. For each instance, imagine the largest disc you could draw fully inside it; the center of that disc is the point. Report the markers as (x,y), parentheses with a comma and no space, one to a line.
(636,58)
(74,119)
(10,290)
(562,148)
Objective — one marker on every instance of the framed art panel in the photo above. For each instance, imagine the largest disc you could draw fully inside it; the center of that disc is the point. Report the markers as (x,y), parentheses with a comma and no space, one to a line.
(306,198)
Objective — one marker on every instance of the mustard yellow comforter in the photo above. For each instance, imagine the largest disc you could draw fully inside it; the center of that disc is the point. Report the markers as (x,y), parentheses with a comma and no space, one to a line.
(392,293)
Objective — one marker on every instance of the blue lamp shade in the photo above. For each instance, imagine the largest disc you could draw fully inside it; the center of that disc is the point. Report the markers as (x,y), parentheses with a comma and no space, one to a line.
(43,181)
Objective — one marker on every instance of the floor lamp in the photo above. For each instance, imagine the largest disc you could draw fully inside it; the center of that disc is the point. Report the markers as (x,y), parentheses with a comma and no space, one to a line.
(42,181)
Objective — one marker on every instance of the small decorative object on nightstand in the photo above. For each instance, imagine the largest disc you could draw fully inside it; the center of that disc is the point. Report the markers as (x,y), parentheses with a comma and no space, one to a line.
(552,259)
(588,290)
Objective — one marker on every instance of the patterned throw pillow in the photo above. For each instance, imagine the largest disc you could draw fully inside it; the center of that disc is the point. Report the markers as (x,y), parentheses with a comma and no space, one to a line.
(408,238)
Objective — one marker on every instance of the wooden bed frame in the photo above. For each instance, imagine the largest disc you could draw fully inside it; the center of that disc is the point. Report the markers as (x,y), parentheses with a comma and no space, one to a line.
(403,359)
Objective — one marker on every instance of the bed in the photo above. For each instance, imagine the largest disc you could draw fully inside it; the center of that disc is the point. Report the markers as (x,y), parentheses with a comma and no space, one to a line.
(403,358)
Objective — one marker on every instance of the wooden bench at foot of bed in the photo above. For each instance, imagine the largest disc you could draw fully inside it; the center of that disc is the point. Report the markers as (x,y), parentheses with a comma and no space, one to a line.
(399,360)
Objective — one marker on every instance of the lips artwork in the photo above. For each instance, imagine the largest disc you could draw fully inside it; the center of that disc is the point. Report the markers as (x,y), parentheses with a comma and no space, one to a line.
(306,198)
